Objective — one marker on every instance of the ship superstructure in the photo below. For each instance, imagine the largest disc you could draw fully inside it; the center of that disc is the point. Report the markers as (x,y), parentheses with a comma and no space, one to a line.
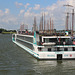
(46,43)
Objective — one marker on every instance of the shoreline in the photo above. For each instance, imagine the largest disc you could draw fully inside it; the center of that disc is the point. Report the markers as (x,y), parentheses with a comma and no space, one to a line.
(7,32)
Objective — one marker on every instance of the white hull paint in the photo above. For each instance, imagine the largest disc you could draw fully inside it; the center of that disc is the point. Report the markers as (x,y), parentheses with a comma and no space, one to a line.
(27,49)
(48,55)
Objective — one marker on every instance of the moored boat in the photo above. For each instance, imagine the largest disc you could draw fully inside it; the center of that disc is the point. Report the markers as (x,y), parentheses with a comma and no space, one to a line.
(46,43)
(46,46)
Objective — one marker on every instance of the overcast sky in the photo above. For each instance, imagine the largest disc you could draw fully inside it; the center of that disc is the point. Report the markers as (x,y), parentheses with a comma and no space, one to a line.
(15,12)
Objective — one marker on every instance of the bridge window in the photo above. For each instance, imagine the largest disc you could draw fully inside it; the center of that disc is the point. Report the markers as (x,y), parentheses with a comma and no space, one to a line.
(49,49)
(73,48)
(65,49)
(58,48)
(50,40)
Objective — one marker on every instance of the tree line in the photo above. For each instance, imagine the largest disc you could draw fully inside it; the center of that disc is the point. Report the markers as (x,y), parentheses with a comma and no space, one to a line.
(4,30)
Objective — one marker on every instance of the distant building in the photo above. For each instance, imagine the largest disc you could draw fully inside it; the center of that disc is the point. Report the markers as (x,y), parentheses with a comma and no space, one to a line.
(34,29)
(23,27)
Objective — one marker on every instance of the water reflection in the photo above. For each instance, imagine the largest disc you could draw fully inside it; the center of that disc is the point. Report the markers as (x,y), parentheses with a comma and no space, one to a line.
(16,61)
(54,67)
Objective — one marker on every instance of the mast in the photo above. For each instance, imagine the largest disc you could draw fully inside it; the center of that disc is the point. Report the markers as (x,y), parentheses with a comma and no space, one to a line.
(47,24)
(67,17)
(50,25)
(44,21)
(40,26)
(34,23)
(72,21)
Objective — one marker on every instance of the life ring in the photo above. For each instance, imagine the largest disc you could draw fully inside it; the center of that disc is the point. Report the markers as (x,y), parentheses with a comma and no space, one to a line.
(41,43)
(74,42)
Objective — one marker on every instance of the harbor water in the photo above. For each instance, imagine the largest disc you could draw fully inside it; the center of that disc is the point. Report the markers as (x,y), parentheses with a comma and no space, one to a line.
(16,61)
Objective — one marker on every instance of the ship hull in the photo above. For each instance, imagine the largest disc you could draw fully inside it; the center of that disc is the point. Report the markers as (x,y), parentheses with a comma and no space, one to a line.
(42,55)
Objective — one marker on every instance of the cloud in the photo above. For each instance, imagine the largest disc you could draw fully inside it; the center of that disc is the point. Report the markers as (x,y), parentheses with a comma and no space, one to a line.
(1,13)
(55,11)
(27,14)
(26,5)
(37,7)
(71,2)
(18,4)
(30,9)
(51,8)
(6,11)
(8,21)
(22,11)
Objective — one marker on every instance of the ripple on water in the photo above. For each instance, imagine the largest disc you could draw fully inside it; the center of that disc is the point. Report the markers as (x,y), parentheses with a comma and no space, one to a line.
(15,61)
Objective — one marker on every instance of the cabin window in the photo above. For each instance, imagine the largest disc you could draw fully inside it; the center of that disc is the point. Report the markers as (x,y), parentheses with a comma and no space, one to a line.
(46,40)
(73,48)
(49,49)
(58,48)
(65,49)
(39,49)
(52,39)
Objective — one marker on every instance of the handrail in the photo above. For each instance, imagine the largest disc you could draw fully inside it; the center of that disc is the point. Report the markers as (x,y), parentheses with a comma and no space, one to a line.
(64,46)
(24,40)
(25,35)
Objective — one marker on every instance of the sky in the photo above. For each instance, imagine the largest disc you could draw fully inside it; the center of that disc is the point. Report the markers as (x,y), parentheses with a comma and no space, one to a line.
(13,13)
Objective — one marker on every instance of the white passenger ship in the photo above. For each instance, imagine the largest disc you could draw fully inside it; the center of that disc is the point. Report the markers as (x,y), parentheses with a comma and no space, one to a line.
(46,46)
(47,43)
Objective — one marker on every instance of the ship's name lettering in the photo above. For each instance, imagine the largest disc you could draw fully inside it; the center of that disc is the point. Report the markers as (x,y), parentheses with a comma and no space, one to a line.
(66,55)
(51,55)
